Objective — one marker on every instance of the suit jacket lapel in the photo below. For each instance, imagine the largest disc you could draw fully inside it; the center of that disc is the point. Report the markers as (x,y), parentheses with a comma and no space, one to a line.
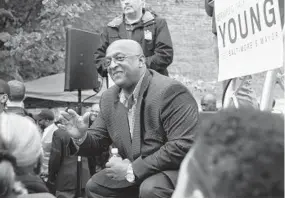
(136,141)
(122,131)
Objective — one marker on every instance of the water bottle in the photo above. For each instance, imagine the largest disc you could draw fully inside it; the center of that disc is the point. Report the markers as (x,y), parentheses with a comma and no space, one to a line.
(115,154)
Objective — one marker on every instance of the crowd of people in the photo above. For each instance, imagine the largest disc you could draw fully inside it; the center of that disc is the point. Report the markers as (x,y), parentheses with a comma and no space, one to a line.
(165,147)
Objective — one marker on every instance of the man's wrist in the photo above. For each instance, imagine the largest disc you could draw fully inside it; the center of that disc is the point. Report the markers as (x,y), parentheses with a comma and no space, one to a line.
(130,177)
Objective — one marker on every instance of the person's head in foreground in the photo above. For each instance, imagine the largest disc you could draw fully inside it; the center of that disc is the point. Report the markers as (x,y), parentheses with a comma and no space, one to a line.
(239,153)
(20,150)
(209,102)
(4,93)
(125,63)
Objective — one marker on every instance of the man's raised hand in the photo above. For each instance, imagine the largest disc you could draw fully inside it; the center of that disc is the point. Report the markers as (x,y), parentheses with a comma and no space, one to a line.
(73,123)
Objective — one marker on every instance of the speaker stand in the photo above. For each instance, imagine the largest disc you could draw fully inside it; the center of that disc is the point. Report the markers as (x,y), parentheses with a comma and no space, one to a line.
(79,159)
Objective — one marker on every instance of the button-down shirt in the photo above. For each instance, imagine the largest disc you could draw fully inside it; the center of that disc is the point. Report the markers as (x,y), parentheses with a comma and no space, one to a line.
(130,102)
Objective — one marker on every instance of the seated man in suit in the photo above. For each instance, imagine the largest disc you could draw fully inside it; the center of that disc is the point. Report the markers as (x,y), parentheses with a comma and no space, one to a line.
(150,118)
(238,154)
(63,167)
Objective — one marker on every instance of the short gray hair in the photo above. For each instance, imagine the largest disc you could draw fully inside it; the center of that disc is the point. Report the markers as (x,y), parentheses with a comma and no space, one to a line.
(17,90)
(21,138)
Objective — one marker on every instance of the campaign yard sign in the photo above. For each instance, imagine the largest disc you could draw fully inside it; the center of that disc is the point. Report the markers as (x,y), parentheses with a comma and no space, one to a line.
(249,37)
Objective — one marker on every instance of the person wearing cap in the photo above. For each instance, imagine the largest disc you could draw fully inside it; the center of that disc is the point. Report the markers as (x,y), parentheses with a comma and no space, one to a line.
(45,120)
(4,93)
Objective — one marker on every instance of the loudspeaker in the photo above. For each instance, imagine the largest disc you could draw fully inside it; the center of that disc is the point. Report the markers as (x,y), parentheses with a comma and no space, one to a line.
(80,70)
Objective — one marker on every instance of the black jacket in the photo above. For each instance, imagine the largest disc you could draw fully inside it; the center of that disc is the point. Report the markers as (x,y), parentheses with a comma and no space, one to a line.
(62,166)
(151,32)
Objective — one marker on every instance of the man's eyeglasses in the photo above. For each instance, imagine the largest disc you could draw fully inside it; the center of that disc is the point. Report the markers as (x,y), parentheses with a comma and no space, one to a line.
(116,59)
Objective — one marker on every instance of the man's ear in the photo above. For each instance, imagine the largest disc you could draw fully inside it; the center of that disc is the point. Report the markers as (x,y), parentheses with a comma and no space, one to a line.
(142,60)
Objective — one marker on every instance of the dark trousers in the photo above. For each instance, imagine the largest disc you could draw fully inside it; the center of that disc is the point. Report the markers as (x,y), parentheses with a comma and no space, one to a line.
(156,186)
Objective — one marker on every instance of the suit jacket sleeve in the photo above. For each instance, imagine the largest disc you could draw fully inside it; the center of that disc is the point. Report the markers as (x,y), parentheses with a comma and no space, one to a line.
(55,156)
(96,142)
(179,116)
(163,52)
(101,52)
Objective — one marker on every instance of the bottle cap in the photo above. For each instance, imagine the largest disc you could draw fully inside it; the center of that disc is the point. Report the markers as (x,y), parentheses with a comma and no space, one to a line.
(114,151)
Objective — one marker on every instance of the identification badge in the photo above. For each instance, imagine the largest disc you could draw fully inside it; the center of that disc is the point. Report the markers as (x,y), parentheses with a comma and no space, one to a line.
(147,35)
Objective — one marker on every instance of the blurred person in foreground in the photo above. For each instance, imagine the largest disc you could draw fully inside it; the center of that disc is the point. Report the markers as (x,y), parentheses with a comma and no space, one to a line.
(209,102)
(149,117)
(45,120)
(143,26)
(62,169)
(238,153)
(4,94)
(20,152)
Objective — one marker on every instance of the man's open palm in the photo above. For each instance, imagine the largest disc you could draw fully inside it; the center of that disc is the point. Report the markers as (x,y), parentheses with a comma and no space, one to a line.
(74,124)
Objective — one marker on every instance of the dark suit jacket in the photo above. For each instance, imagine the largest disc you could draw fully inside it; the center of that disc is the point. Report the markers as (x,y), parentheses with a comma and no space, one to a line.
(62,166)
(164,129)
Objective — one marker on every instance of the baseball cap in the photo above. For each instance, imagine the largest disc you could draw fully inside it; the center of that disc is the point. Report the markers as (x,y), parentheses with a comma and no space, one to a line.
(45,114)
(4,87)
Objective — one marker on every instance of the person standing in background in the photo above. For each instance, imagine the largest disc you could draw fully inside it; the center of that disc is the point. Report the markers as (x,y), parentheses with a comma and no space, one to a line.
(209,102)
(45,120)
(15,103)
(143,26)
(17,94)
(62,169)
